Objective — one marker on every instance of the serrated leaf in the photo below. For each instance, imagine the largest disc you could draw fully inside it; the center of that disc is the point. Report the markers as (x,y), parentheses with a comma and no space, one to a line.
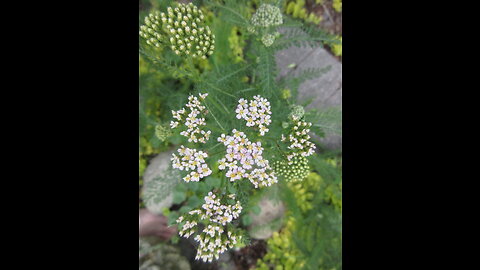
(213,182)
(194,201)
(256,209)
(178,196)
(246,220)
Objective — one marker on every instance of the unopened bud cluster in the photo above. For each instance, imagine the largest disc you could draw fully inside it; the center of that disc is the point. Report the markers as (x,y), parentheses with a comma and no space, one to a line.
(294,170)
(299,140)
(191,121)
(297,112)
(182,29)
(216,237)
(267,15)
(268,39)
(162,132)
(244,160)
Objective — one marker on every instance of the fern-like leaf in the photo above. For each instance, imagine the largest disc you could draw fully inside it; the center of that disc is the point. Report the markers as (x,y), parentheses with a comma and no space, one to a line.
(267,71)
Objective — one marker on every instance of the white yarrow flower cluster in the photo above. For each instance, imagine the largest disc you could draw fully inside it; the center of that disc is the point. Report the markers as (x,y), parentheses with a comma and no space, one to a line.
(219,213)
(256,112)
(244,160)
(267,15)
(299,140)
(193,161)
(214,238)
(191,121)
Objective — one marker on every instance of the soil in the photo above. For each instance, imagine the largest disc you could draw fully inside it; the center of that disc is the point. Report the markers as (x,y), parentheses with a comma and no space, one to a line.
(246,258)
(332,20)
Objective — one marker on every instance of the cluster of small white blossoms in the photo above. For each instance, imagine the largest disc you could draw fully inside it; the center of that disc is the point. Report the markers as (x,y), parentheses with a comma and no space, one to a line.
(217,212)
(299,141)
(297,170)
(183,28)
(244,160)
(191,160)
(213,240)
(191,121)
(256,112)
(267,15)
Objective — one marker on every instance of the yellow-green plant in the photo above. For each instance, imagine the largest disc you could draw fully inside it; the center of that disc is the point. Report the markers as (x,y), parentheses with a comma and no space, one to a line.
(282,251)
(297,9)
(337,5)
(237,43)
(337,48)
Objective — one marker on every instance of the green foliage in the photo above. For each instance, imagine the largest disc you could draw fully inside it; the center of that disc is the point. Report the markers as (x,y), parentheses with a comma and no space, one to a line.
(157,191)
(160,256)
(267,71)
(303,35)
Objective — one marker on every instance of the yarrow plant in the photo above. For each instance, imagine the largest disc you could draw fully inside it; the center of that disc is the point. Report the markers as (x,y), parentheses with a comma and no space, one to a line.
(217,234)
(228,137)
(243,159)
(182,29)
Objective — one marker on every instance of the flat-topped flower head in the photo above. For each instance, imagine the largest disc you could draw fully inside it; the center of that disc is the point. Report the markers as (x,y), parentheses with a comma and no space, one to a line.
(217,235)
(189,117)
(193,161)
(182,29)
(243,159)
(255,112)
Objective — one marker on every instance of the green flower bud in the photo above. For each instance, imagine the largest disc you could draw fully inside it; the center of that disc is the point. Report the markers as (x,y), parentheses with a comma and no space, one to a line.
(268,40)
(267,15)
(296,113)
(295,170)
(182,25)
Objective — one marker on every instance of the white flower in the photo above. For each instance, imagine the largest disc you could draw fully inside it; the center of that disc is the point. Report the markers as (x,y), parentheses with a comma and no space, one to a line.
(249,155)
(192,122)
(255,112)
(191,160)
(299,140)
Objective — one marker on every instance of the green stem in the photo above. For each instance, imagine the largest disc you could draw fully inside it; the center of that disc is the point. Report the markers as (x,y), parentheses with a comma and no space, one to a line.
(215,118)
